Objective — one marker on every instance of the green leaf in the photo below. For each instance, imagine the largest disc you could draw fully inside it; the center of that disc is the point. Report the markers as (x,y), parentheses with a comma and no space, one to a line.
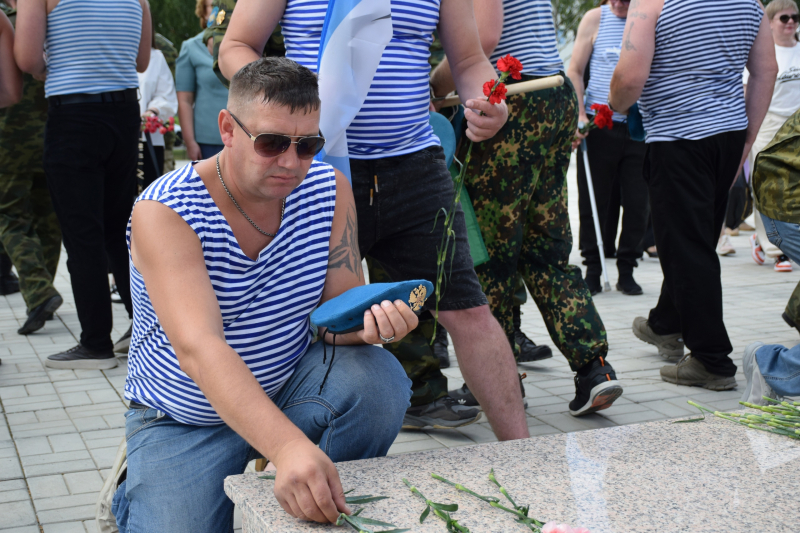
(268,476)
(349,491)
(424,514)
(451,507)
(373,522)
(393,531)
(365,499)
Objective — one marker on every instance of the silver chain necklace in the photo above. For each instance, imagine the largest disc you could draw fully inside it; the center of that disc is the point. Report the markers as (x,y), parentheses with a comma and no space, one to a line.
(283,205)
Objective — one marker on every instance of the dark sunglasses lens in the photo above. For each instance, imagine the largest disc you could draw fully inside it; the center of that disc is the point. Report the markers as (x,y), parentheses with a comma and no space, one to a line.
(785,18)
(269,145)
(308,147)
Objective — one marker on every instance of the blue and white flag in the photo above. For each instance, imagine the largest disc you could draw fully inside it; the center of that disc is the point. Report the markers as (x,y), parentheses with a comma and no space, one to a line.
(354,36)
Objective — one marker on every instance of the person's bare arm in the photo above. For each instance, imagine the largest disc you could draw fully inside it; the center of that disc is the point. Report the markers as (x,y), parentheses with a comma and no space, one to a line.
(763,69)
(345,272)
(249,29)
(146,40)
(169,255)
(581,54)
(638,47)
(30,36)
(470,69)
(186,118)
(489,20)
(10,75)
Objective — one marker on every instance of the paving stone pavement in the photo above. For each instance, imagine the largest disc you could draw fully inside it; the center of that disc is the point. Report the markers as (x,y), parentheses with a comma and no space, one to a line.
(59,429)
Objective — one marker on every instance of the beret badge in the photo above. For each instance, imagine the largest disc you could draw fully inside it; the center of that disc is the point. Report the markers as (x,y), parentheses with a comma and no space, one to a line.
(417,298)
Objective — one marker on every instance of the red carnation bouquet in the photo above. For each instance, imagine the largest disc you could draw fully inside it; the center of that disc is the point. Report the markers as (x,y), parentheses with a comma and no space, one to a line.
(603,118)
(154,124)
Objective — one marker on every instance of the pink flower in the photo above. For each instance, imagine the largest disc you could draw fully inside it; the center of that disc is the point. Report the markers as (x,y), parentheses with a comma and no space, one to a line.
(552,527)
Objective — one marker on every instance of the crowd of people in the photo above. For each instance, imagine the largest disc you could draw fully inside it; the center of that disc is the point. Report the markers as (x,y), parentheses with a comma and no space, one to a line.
(220,262)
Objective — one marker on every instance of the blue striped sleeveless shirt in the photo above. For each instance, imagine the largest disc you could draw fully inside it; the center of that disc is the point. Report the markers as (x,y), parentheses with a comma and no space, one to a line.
(529,34)
(92,46)
(394,119)
(605,56)
(695,85)
(265,303)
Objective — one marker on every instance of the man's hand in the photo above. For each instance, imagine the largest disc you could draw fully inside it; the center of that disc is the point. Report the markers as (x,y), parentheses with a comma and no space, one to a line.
(307,484)
(482,127)
(388,319)
(578,135)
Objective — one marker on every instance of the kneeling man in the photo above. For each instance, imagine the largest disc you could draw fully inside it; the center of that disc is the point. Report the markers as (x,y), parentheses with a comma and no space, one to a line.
(229,256)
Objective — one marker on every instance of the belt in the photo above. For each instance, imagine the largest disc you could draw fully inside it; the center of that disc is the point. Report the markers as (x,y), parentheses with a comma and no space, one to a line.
(136,405)
(113,97)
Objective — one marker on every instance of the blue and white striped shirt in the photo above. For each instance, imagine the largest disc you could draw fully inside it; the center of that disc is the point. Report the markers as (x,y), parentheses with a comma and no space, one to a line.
(605,56)
(394,119)
(529,34)
(265,303)
(92,46)
(695,85)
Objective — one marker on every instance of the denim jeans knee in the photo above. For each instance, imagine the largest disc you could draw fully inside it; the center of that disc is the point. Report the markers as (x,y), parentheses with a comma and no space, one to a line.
(784,235)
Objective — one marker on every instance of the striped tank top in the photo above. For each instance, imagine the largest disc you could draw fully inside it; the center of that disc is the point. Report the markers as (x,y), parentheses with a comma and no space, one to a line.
(529,34)
(394,119)
(605,56)
(92,45)
(265,303)
(695,85)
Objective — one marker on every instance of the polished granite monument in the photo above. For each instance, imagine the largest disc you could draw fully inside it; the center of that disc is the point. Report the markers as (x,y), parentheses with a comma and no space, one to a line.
(709,476)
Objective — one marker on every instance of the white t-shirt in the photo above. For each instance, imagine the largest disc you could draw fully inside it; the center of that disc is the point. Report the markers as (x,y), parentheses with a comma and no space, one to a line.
(157,91)
(786,96)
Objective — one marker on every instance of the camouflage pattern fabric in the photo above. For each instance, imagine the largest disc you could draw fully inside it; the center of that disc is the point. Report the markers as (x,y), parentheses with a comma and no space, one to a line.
(415,352)
(29,229)
(273,48)
(776,178)
(517,182)
(793,307)
(171,55)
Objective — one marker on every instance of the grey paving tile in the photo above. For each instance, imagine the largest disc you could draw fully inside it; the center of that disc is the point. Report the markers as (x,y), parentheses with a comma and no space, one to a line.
(43,429)
(68,442)
(83,512)
(10,468)
(18,495)
(80,482)
(15,514)
(13,484)
(25,529)
(48,486)
(33,446)
(63,502)
(64,527)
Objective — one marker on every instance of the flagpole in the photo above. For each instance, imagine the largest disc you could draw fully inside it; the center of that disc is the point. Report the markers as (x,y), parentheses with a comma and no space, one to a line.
(516,88)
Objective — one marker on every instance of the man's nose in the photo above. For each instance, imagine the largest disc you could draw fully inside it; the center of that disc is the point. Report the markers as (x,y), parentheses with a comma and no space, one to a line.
(289,158)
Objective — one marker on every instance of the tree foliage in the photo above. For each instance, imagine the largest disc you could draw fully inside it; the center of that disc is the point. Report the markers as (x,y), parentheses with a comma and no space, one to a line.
(568,15)
(175,20)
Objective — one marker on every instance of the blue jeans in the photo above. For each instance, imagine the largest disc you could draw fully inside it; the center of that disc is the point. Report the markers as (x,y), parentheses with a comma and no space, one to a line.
(176,471)
(784,235)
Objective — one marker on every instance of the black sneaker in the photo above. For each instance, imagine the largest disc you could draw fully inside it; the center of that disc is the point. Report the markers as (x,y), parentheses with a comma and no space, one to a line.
(627,285)
(39,315)
(440,347)
(465,397)
(444,413)
(9,282)
(528,351)
(81,357)
(595,391)
(593,284)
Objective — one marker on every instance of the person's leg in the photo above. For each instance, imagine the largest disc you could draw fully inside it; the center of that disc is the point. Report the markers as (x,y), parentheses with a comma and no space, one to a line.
(786,235)
(769,127)
(636,209)
(780,367)
(210,150)
(46,222)
(175,475)
(360,410)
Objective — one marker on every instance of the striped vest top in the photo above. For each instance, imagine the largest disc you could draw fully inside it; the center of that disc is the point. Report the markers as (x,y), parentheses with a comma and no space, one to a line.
(695,85)
(265,303)
(92,45)
(529,34)
(605,56)
(394,119)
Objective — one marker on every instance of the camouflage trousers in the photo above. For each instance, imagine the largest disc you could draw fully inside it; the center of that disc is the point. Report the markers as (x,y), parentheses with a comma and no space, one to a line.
(30,234)
(793,307)
(517,183)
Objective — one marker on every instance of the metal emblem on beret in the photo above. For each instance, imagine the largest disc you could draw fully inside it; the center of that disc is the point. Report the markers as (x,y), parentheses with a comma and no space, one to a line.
(220,17)
(417,298)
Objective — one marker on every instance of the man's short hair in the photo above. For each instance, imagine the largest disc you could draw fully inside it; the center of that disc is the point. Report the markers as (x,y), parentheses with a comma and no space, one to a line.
(779,5)
(275,80)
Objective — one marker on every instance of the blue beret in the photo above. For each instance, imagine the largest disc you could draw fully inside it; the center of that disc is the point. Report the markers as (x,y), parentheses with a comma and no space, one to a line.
(345,313)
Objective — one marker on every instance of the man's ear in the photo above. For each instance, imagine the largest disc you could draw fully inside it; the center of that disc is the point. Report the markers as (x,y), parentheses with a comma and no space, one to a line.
(226,127)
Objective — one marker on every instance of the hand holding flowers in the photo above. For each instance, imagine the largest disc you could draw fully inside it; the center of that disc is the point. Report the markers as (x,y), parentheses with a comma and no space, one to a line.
(152,124)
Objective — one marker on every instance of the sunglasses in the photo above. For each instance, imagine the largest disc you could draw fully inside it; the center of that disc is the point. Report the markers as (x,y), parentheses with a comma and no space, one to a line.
(274,144)
(785,18)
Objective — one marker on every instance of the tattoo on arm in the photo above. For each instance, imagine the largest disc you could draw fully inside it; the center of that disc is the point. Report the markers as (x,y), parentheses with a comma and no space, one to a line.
(346,253)
(637,15)
(628,44)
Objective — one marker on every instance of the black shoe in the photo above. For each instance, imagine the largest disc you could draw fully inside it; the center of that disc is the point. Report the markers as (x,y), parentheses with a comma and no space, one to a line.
(628,285)
(596,390)
(593,283)
(465,397)
(81,357)
(444,413)
(790,322)
(528,350)
(440,347)
(39,314)
(9,284)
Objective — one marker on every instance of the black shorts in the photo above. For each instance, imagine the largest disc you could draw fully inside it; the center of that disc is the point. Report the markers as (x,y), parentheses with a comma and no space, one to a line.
(396,222)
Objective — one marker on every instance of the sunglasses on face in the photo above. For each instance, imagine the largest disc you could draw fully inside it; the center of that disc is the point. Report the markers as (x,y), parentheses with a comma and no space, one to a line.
(785,18)
(274,144)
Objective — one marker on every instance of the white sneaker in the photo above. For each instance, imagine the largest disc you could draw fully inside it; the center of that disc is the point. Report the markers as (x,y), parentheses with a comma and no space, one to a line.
(782,264)
(756,251)
(757,386)
(106,522)
(724,247)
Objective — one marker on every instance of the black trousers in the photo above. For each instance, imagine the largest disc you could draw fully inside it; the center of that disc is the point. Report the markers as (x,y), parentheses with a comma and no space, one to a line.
(90,156)
(150,172)
(616,163)
(689,183)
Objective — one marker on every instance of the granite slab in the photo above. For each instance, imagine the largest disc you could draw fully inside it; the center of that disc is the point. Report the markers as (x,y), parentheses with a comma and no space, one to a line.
(711,476)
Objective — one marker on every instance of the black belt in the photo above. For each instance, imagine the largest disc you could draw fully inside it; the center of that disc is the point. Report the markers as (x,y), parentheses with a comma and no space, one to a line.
(114,97)
(136,405)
